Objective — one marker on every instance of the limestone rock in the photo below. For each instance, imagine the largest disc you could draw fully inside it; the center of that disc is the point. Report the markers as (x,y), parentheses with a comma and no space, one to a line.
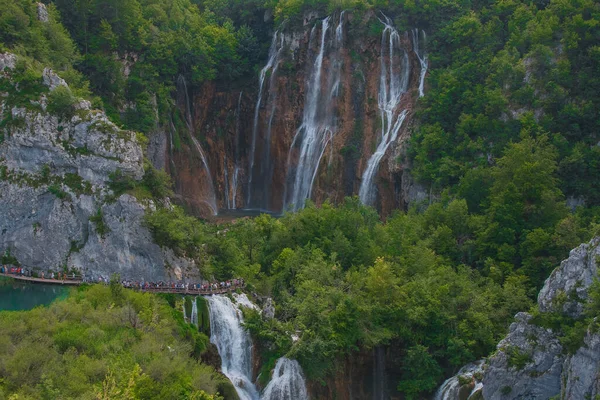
(573,278)
(42,12)
(539,378)
(52,80)
(7,61)
(54,178)
(529,362)
(268,310)
(581,371)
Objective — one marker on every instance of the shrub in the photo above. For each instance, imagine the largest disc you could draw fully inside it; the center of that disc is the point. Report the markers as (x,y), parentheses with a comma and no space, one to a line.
(61,102)
(98,220)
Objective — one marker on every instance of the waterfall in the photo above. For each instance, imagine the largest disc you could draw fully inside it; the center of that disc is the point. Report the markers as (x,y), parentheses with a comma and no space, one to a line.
(233,343)
(212,202)
(379,381)
(450,389)
(236,168)
(194,319)
(393,83)
(226,184)
(185,317)
(419,36)
(287,382)
(318,120)
(272,65)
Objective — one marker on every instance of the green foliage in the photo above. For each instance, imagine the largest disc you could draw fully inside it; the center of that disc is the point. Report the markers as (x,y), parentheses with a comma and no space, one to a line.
(61,102)
(98,219)
(8,259)
(56,190)
(106,343)
(172,228)
(346,281)
(517,358)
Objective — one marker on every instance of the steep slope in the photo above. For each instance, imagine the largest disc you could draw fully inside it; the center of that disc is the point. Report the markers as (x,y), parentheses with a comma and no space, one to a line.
(554,353)
(57,210)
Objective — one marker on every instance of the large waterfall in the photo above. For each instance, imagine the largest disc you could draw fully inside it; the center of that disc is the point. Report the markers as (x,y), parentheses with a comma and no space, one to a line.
(212,198)
(318,119)
(287,382)
(393,83)
(234,345)
(271,67)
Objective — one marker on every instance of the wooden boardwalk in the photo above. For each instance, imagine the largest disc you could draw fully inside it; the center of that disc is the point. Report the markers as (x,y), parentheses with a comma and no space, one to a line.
(182,291)
(69,282)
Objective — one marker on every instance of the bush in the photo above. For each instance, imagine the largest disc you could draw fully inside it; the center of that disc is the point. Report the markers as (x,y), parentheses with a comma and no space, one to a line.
(98,220)
(57,191)
(61,102)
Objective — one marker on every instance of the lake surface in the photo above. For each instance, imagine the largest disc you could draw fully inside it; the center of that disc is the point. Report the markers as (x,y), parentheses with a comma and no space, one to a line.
(16,296)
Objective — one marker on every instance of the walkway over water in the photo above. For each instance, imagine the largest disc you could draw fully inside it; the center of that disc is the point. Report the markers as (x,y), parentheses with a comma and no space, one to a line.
(162,289)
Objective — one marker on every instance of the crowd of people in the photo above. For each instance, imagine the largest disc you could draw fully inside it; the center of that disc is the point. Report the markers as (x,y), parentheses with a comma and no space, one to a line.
(61,276)
(130,284)
(184,286)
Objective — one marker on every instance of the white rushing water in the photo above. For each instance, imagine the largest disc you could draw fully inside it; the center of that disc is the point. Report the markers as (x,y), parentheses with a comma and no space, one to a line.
(185,317)
(194,319)
(318,118)
(234,345)
(272,65)
(450,388)
(419,39)
(235,348)
(393,83)
(212,198)
(287,382)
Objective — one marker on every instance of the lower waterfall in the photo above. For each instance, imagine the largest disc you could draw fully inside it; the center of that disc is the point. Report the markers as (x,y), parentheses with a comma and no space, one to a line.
(451,388)
(235,348)
(194,319)
(234,344)
(287,382)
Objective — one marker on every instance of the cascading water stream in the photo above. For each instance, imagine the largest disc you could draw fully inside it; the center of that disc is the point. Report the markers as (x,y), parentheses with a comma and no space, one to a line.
(287,382)
(272,64)
(419,46)
(233,343)
(212,202)
(393,83)
(450,389)
(318,119)
(194,318)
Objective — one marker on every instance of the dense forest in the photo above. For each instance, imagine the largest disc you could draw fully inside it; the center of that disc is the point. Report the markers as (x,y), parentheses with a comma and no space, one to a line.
(506,142)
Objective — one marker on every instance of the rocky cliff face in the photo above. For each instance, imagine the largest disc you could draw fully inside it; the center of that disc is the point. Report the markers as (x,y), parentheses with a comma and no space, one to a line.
(56,208)
(531,362)
(326,105)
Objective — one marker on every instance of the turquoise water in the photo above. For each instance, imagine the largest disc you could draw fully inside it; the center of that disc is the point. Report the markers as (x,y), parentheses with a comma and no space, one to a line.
(16,296)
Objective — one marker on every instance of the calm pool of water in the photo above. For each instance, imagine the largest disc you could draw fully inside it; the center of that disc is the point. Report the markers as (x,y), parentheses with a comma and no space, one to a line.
(25,296)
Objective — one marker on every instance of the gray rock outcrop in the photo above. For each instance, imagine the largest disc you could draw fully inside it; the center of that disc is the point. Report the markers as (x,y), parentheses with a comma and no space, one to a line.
(530,362)
(541,354)
(54,185)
